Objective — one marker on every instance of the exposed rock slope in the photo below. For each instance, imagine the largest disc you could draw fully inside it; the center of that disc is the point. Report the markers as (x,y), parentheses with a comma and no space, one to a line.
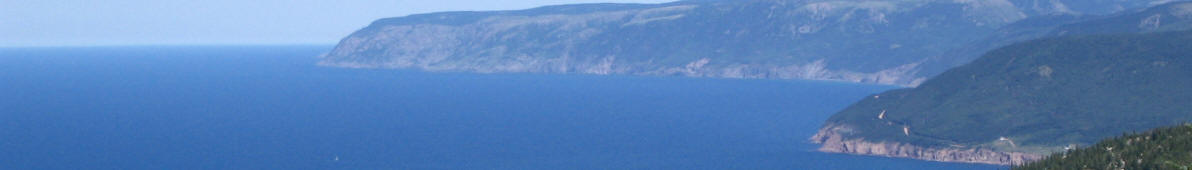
(836,142)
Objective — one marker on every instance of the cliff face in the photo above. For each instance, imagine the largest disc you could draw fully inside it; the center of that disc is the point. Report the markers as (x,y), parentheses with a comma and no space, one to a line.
(834,142)
(883,42)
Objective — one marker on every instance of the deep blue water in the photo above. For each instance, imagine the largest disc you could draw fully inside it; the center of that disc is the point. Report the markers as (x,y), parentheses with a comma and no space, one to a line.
(270,107)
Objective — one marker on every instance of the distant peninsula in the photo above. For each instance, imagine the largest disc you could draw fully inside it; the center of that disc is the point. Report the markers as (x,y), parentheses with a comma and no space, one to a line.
(996,81)
(895,42)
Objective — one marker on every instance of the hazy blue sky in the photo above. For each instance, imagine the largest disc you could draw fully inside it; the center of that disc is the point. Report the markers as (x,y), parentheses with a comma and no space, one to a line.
(175,22)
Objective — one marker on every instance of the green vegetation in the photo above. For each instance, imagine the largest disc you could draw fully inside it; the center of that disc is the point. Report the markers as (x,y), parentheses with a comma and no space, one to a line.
(1039,96)
(1167,17)
(1164,148)
(888,41)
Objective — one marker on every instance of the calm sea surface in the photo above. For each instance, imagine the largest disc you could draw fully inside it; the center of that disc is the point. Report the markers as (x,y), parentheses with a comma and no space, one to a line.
(270,107)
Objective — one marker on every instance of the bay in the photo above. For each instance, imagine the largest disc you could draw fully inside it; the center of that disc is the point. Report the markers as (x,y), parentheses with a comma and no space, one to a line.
(271,107)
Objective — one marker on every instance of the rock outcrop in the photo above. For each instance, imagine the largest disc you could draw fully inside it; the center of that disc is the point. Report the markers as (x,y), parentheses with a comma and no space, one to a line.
(834,142)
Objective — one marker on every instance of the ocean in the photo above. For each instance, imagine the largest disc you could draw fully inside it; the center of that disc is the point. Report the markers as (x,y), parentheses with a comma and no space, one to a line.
(271,107)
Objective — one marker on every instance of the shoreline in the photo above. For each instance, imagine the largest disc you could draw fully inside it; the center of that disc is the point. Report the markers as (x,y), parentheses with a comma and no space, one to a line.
(812,71)
(832,142)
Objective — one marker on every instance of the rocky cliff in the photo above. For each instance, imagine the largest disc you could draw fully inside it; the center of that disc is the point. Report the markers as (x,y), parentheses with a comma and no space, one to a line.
(868,41)
(833,141)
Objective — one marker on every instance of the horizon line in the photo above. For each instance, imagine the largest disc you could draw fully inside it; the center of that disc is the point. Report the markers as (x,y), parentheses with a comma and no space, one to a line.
(169,45)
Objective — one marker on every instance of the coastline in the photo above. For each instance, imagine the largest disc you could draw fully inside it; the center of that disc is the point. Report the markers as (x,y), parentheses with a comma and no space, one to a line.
(901,76)
(833,142)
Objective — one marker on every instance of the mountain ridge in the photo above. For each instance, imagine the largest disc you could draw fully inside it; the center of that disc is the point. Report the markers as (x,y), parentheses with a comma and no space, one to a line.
(881,42)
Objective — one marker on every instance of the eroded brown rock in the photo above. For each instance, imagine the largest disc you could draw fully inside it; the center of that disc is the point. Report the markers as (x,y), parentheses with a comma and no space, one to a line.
(833,142)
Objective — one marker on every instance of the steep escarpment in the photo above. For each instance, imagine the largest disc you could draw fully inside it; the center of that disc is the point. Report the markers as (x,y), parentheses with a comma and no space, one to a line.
(1031,98)
(883,42)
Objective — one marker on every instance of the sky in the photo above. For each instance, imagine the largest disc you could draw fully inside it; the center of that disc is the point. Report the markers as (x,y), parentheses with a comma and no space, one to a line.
(32,23)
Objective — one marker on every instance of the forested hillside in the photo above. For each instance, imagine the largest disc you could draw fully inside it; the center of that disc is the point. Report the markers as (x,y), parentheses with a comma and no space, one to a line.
(1034,97)
(1164,148)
